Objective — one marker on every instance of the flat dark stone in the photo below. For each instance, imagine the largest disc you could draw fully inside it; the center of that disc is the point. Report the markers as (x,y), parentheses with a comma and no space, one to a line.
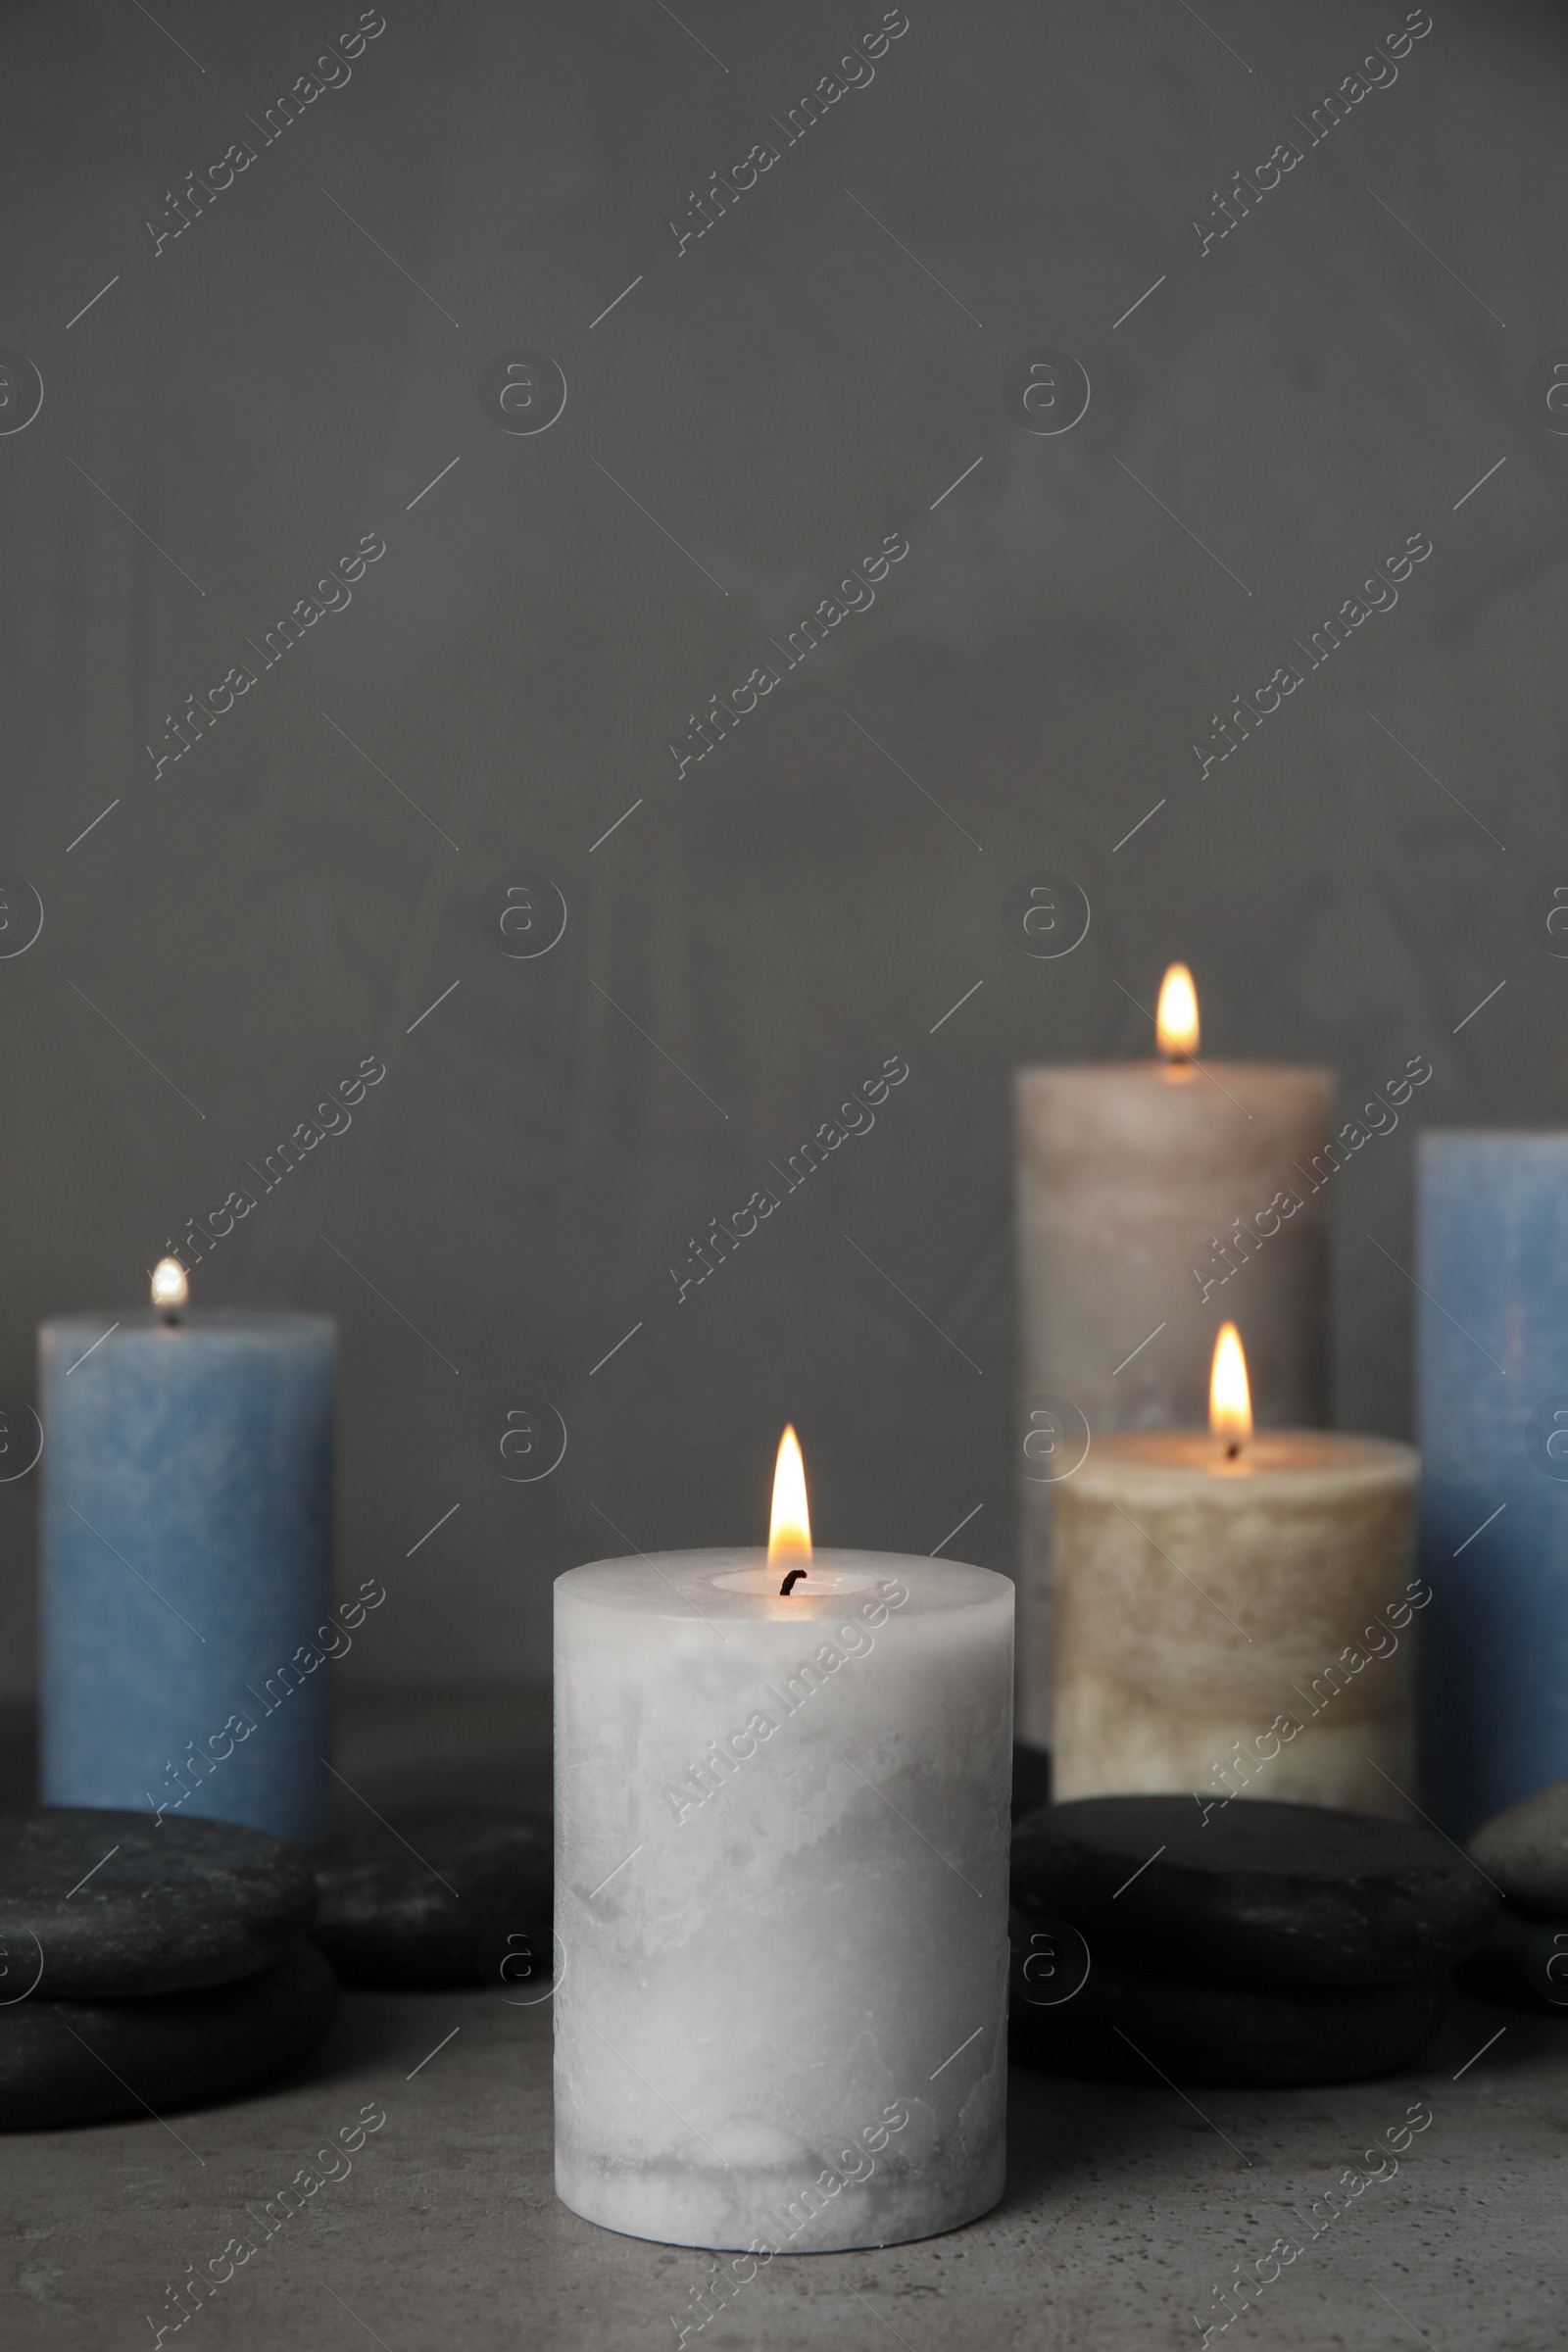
(1031,1778)
(117,1906)
(1523,1964)
(92,2062)
(1526,1851)
(1130,2025)
(1259,1895)
(389,1915)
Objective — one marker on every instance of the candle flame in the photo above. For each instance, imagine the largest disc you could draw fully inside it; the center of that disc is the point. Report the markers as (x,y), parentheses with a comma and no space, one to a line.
(789,1535)
(169,1287)
(1176,1015)
(1230,1402)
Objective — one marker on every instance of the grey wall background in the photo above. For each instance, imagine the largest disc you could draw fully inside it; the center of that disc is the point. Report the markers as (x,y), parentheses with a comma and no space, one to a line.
(756,413)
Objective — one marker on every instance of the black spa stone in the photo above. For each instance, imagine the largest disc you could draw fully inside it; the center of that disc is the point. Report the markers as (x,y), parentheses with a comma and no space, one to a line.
(1031,1778)
(117,1906)
(1523,1964)
(90,2062)
(1130,2025)
(410,1902)
(1525,1851)
(1254,1893)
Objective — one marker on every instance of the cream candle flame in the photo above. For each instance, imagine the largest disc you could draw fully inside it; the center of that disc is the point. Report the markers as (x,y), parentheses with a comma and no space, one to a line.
(789,1535)
(1176,1015)
(1230,1400)
(171,1290)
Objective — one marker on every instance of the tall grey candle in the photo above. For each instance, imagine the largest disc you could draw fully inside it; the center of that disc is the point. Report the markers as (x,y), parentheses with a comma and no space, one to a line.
(1155,1202)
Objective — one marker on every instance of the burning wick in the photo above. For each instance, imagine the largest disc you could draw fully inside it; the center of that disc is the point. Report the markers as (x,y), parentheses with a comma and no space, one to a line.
(789,1535)
(1230,1403)
(171,1290)
(1176,1017)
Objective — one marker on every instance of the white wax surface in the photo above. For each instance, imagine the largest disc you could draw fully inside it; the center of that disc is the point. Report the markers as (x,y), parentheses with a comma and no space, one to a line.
(780,2017)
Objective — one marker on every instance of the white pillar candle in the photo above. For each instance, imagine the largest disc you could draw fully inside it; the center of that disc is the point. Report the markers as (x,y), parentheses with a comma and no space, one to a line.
(1233,1613)
(1154,1199)
(781,1897)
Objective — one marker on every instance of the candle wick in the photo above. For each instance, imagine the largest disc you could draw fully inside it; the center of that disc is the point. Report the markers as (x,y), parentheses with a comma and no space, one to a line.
(1233,1450)
(789,1582)
(169,1314)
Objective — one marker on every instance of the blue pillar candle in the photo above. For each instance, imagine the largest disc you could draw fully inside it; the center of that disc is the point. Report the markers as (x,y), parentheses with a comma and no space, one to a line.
(1493,1409)
(187,1566)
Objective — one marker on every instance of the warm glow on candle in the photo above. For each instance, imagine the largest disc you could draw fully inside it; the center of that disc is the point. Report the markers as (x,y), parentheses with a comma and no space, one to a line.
(789,1537)
(1176,1015)
(1229,1403)
(171,1290)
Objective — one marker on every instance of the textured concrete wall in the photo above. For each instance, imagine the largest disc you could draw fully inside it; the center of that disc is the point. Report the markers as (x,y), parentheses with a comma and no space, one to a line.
(303,367)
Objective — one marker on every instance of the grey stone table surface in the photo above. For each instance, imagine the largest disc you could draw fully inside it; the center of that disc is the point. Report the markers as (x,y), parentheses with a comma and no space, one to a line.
(1125,2209)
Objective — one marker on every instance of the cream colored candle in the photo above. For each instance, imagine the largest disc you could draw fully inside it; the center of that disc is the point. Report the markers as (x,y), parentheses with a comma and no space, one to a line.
(1233,1617)
(1153,1200)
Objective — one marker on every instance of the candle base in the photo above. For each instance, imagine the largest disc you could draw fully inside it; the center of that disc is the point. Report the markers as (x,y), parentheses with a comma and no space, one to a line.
(785,2209)
(1112,1739)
